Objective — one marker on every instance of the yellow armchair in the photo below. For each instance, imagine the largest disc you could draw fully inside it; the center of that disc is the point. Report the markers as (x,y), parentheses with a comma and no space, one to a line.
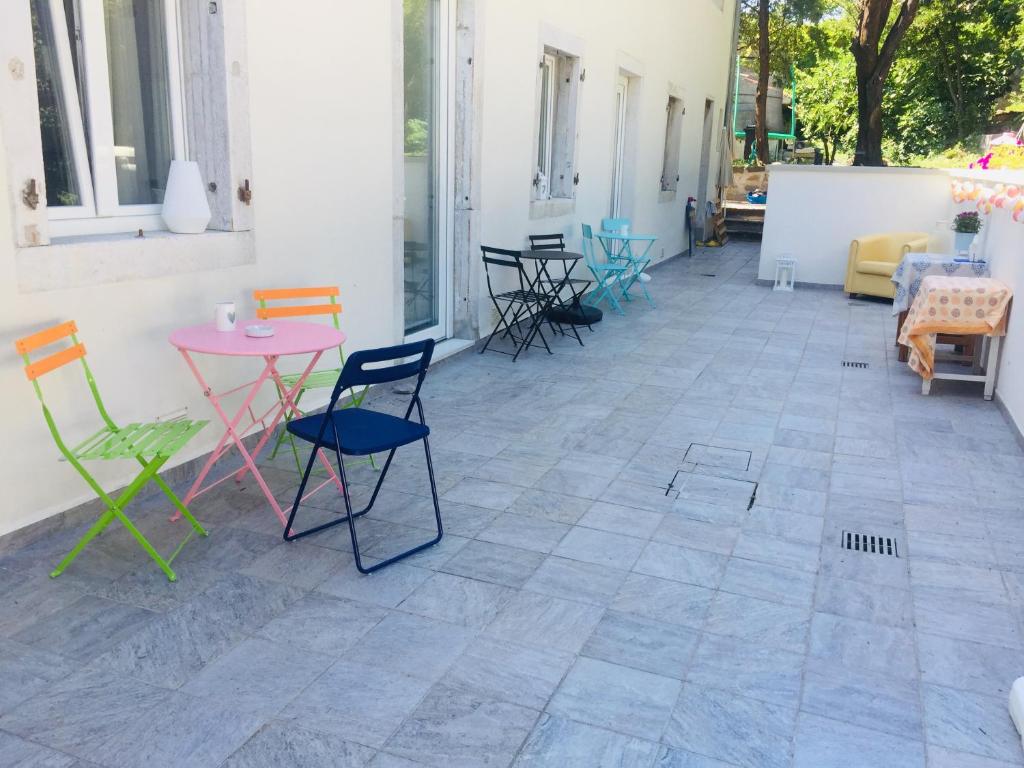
(873,259)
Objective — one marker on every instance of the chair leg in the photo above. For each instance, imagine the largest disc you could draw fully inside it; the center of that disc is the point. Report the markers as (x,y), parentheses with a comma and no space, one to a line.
(180,506)
(101,522)
(290,536)
(351,515)
(614,302)
(115,510)
(502,323)
(408,552)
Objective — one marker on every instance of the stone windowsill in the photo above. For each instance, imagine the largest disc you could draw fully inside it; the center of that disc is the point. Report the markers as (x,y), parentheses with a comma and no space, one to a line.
(549,209)
(80,261)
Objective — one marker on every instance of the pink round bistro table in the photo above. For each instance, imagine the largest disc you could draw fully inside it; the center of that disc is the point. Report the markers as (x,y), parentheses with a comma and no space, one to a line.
(290,338)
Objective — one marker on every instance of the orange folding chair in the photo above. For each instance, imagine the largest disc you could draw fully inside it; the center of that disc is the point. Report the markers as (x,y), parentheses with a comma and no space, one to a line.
(151,444)
(324,379)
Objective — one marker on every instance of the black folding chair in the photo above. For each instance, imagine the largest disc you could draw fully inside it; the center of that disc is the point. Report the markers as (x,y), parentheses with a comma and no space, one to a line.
(359,432)
(577,286)
(516,306)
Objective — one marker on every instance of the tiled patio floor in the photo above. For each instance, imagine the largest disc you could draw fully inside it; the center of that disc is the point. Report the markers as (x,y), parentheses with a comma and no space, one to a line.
(575,614)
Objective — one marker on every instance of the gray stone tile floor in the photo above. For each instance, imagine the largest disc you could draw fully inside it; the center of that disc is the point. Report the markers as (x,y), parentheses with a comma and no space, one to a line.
(606,594)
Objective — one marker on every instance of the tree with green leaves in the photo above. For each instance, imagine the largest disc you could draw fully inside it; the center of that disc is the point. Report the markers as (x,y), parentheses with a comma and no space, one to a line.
(874,45)
(771,31)
(828,105)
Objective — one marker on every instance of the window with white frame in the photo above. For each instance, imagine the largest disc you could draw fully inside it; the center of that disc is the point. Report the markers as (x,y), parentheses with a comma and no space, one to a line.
(110,109)
(673,140)
(557,96)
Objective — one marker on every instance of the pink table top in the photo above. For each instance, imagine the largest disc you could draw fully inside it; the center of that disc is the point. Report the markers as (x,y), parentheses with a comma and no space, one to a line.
(290,338)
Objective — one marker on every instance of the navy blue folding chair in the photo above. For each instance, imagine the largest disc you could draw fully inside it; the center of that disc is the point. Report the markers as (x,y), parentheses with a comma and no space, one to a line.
(360,432)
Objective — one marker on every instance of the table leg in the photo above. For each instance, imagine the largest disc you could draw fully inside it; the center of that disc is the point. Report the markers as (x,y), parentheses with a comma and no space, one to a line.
(904,351)
(992,366)
(556,294)
(229,424)
(289,402)
(640,263)
(231,433)
(626,254)
(623,254)
(286,400)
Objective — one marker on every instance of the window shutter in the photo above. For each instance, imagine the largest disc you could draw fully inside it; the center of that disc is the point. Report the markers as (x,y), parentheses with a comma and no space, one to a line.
(216,93)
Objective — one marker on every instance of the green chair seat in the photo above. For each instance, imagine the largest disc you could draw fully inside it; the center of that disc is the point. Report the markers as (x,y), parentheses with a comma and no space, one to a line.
(156,438)
(316,380)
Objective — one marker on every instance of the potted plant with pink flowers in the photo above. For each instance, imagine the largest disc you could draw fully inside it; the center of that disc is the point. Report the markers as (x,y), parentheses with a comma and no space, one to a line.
(966,226)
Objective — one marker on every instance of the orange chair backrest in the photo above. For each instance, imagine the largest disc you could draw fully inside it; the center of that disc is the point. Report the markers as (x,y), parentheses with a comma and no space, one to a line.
(263,312)
(28,344)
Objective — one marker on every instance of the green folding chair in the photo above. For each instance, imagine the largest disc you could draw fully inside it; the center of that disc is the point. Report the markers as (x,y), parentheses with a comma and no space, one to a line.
(150,444)
(325,379)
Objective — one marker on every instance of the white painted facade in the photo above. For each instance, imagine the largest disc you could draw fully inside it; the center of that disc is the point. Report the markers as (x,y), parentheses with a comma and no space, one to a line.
(324,91)
(815,211)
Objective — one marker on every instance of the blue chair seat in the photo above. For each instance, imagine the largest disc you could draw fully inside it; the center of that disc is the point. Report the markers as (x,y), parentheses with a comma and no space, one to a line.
(361,431)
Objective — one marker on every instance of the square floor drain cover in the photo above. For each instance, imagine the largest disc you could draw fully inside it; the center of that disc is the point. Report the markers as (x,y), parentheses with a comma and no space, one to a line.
(874,545)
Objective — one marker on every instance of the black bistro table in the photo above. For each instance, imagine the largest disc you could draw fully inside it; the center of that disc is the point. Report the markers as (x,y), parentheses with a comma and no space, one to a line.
(550,282)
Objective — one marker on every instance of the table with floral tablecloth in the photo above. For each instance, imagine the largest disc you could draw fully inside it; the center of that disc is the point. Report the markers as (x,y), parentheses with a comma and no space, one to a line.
(955,306)
(916,266)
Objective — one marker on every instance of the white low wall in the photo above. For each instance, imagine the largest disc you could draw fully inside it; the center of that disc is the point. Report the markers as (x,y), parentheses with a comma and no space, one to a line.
(815,211)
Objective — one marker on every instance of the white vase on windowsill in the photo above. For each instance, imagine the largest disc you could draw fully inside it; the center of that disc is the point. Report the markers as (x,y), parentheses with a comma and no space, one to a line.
(186,209)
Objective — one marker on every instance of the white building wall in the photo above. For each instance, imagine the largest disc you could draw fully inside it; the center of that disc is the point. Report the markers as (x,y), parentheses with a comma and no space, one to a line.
(324,152)
(687,44)
(814,211)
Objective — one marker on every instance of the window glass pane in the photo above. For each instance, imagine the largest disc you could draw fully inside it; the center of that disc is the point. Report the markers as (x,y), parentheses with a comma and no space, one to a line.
(421,263)
(545,118)
(140,98)
(58,161)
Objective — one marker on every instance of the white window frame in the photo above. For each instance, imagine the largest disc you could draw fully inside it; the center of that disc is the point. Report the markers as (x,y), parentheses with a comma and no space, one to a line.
(443,172)
(546,124)
(101,212)
(619,145)
(563,70)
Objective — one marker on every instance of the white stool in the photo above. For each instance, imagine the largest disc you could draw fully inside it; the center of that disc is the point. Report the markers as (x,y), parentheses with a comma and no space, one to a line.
(785,273)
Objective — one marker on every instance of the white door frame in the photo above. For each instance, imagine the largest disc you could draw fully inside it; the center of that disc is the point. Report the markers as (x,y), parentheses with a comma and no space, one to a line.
(619,144)
(444,175)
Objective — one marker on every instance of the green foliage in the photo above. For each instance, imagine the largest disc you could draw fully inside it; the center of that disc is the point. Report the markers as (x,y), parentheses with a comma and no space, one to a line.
(827,105)
(961,62)
(960,57)
(417,136)
(418,70)
(789,24)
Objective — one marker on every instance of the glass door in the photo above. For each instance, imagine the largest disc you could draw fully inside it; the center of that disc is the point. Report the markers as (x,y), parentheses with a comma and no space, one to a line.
(621,92)
(427,215)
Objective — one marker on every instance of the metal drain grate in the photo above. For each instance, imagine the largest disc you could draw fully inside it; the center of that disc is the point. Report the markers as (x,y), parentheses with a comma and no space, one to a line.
(854,364)
(873,545)
(707,274)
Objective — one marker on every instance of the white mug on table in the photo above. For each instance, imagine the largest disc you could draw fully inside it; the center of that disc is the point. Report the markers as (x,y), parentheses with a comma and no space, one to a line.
(224,316)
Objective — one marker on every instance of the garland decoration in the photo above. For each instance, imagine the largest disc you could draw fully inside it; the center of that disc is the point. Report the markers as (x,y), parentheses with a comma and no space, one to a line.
(987,199)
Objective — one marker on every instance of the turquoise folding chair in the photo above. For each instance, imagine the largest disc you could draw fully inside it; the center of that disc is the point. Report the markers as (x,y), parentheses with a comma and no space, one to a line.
(606,274)
(615,225)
